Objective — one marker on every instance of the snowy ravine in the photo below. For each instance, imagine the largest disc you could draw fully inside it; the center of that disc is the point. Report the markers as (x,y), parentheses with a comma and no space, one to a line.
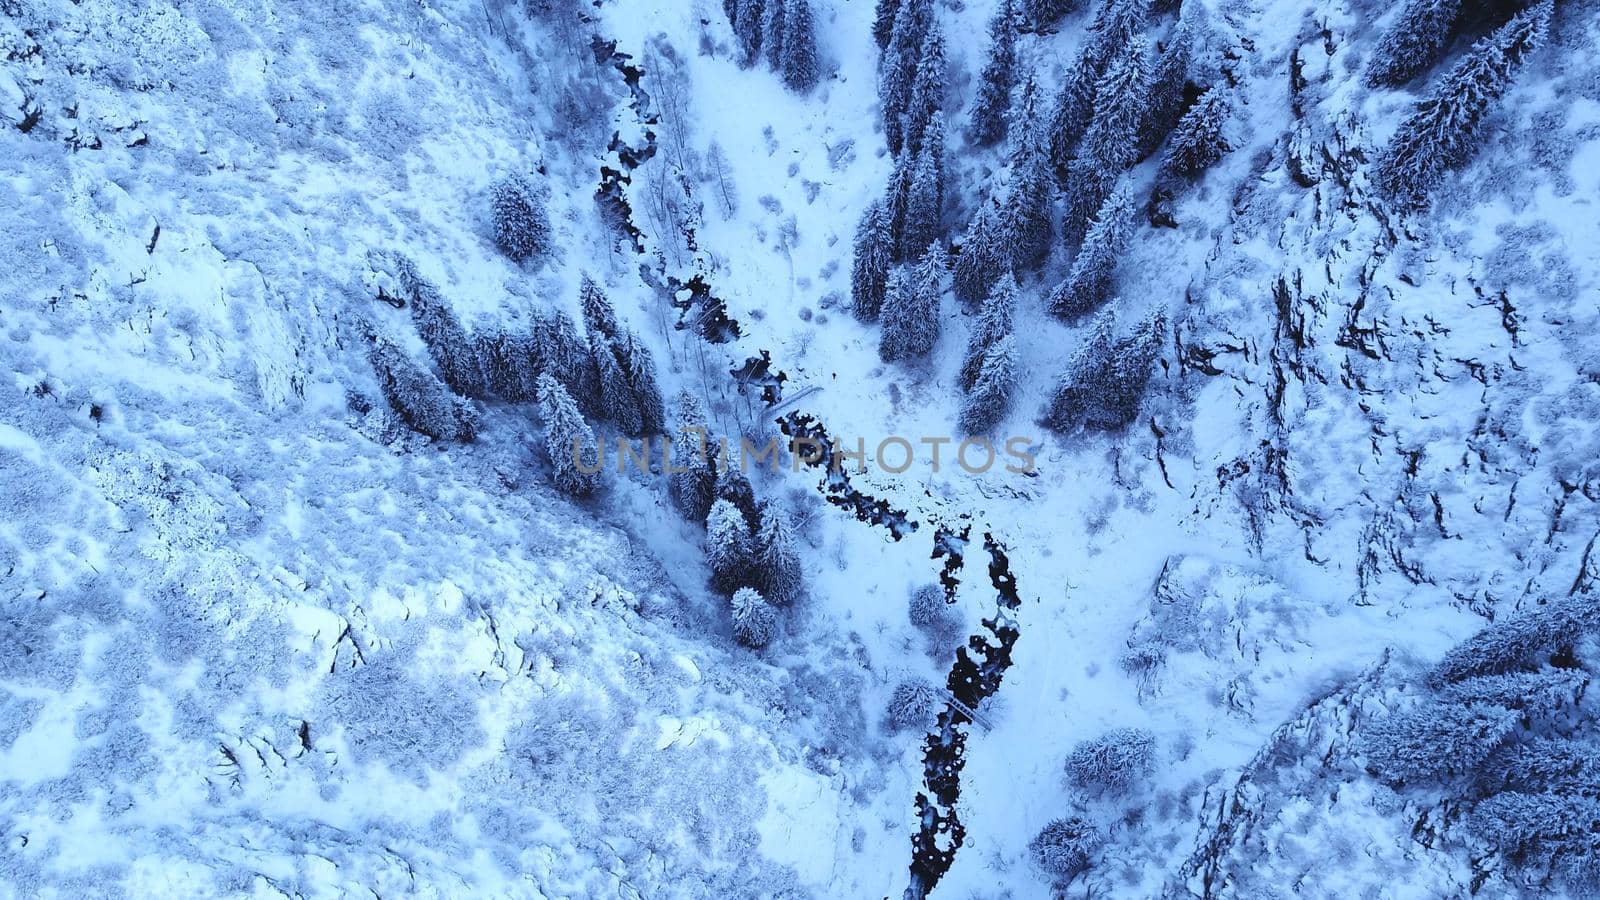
(258,637)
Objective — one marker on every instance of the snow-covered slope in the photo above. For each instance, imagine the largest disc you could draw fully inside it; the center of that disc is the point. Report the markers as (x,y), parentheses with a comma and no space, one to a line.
(259,638)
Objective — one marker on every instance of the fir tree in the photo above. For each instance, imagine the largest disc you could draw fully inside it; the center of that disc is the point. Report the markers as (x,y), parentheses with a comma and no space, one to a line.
(899,68)
(1198,141)
(510,364)
(1435,741)
(1550,834)
(991,110)
(599,318)
(1105,381)
(1524,641)
(1088,285)
(754,622)
(1025,216)
(995,322)
(638,370)
(1074,106)
(911,308)
(1089,184)
(521,226)
(1413,43)
(897,202)
(568,439)
(1044,13)
(925,203)
(1168,96)
(1443,132)
(774,33)
(1112,139)
(694,483)
(799,47)
(777,560)
(617,403)
(732,486)
(990,400)
(983,257)
(441,332)
(748,27)
(561,351)
(420,400)
(728,548)
(874,254)
(883,22)
(928,89)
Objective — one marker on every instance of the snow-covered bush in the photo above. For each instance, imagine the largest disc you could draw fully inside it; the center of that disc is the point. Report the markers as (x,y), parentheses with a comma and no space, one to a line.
(1065,848)
(915,703)
(1114,764)
(928,611)
(521,225)
(753,619)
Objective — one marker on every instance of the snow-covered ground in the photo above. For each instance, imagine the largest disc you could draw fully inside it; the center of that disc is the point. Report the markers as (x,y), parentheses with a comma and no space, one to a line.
(261,640)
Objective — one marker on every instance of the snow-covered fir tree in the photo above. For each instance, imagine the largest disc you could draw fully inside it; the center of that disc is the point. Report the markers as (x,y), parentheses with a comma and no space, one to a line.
(899,68)
(1045,13)
(1168,96)
(1198,141)
(1070,114)
(560,350)
(748,27)
(638,370)
(732,485)
(1105,381)
(799,65)
(694,481)
(990,399)
(453,352)
(992,108)
(984,255)
(897,201)
(754,621)
(925,202)
(995,322)
(568,440)
(599,318)
(728,550)
(869,267)
(883,17)
(1413,43)
(777,558)
(1121,100)
(911,321)
(521,225)
(1444,130)
(1089,283)
(510,363)
(773,33)
(927,89)
(1025,215)
(423,403)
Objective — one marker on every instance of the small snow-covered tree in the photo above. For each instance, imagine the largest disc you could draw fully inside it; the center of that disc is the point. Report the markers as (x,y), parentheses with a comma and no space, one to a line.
(911,321)
(1435,741)
(732,486)
(995,322)
(441,332)
(984,256)
(1413,43)
(420,400)
(777,559)
(800,67)
(568,440)
(925,203)
(694,485)
(914,703)
(728,548)
(1198,140)
(990,399)
(599,318)
(874,254)
(1088,285)
(1065,848)
(719,179)
(521,225)
(1443,132)
(754,622)
(928,610)
(991,110)
(1113,764)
